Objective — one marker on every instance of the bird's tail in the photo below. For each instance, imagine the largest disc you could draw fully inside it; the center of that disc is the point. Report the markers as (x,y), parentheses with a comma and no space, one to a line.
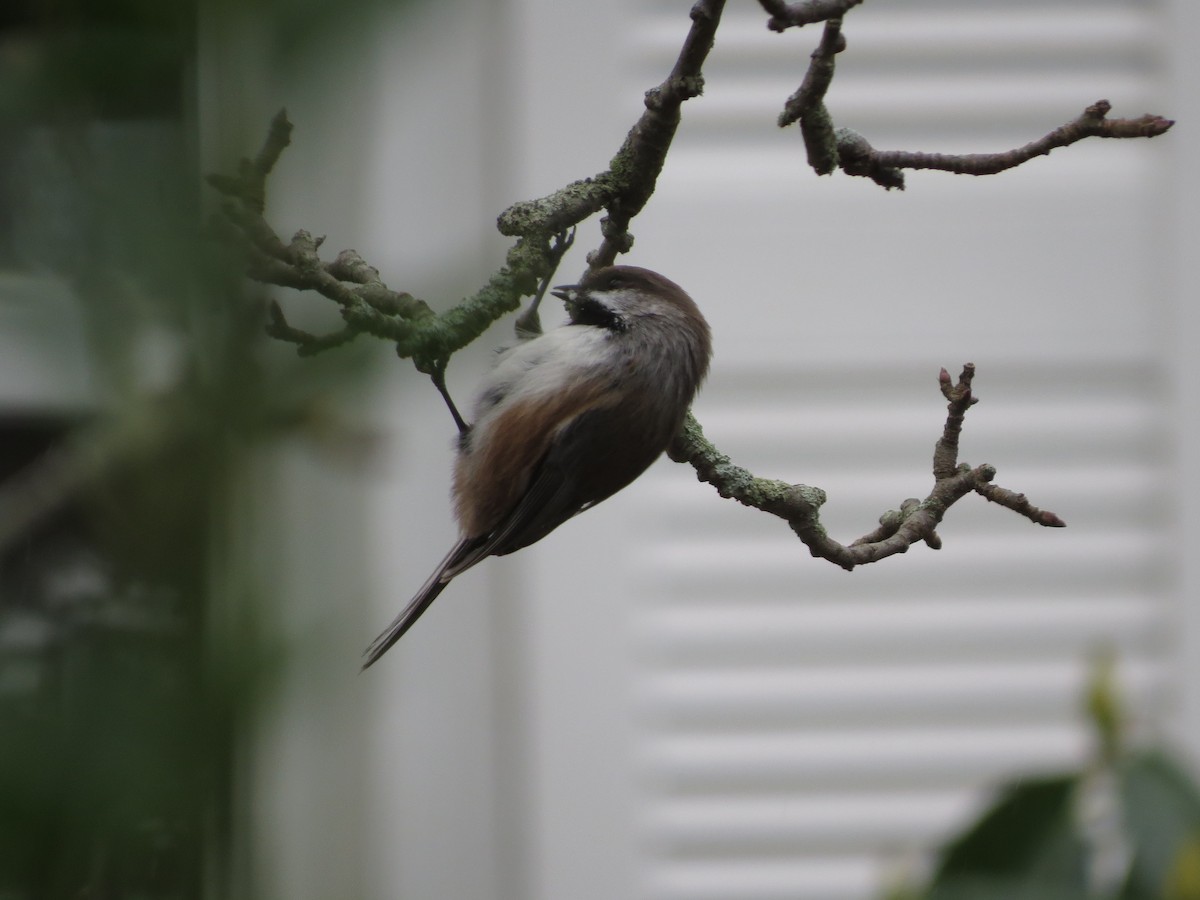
(426,595)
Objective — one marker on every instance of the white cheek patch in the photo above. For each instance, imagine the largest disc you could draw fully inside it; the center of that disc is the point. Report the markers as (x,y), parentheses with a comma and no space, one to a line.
(621,301)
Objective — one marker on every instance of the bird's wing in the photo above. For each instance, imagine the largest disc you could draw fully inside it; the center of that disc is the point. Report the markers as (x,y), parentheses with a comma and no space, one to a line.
(546,504)
(539,511)
(555,493)
(598,437)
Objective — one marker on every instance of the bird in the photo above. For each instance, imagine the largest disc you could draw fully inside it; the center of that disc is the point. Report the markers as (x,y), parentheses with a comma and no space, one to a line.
(566,419)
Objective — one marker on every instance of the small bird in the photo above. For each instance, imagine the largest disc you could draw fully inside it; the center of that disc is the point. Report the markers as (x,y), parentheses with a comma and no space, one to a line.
(568,418)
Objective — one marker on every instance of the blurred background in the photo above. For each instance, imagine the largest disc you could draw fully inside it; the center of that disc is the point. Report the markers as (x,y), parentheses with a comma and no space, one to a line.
(668,698)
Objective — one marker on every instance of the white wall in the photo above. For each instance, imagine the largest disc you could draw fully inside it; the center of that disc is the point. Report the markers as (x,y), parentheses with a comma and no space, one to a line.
(668,698)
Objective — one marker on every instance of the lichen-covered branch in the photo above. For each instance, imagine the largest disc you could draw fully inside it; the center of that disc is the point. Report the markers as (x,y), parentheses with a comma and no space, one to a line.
(916,520)
(366,304)
(624,188)
(543,229)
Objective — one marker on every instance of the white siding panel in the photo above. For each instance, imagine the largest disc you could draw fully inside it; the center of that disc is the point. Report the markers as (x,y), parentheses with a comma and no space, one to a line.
(716,714)
(800,731)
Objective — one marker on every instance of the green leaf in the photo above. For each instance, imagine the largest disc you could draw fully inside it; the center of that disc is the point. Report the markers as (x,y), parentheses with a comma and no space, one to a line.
(1025,845)
(1162,817)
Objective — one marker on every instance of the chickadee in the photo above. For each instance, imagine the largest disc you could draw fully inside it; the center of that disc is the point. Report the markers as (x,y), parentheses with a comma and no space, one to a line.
(569,418)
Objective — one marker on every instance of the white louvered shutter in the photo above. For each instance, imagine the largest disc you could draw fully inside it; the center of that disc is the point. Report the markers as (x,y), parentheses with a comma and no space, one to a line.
(716,715)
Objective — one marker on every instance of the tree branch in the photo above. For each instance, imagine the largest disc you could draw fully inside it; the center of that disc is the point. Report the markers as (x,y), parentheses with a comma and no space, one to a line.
(883,167)
(624,188)
(808,103)
(542,229)
(794,15)
(916,520)
(366,304)
(828,148)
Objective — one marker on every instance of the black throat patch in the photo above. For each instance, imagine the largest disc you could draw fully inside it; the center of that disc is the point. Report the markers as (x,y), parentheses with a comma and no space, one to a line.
(585,310)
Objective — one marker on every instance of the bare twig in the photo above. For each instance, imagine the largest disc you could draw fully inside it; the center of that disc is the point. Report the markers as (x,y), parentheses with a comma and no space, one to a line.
(794,15)
(250,184)
(529,322)
(808,103)
(437,374)
(858,157)
(1018,503)
(945,453)
(307,344)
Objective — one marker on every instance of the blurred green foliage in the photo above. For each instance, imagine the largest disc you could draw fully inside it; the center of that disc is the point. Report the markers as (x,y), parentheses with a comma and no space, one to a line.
(127,644)
(1125,827)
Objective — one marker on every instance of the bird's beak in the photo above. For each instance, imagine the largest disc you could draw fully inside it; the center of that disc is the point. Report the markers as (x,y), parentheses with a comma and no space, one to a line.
(565,292)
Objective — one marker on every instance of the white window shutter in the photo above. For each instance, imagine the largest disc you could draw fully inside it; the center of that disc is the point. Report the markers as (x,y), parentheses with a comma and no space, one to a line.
(713,713)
